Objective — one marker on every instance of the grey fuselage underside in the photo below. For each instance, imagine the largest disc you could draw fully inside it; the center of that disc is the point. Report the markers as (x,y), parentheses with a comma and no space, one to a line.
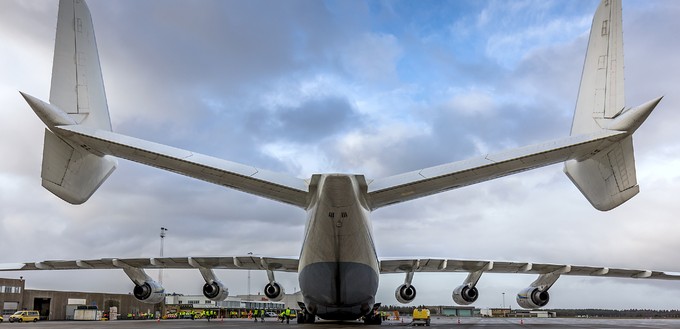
(338,270)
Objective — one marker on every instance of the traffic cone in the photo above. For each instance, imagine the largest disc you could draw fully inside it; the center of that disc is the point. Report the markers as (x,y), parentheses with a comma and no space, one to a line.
(521,321)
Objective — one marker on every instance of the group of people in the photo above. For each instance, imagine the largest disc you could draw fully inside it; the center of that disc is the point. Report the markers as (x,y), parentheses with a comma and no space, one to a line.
(285,315)
(255,314)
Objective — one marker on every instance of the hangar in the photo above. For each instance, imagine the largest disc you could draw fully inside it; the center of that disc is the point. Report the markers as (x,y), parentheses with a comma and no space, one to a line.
(60,305)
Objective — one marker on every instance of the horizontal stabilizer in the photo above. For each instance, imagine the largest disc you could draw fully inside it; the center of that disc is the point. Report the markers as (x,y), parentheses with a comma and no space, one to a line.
(70,172)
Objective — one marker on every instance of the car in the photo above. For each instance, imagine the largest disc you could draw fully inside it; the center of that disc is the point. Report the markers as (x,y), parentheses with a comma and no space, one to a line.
(24,316)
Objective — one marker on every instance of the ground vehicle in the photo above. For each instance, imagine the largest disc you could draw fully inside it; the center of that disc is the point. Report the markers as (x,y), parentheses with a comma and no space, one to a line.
(0,318)
(421,316)
(24,316)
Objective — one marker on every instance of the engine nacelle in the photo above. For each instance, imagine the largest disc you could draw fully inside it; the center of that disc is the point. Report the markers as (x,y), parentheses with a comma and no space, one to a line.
(405,294)
(215,291)
(532,298)
(274,291)
(150,292)
(464,295)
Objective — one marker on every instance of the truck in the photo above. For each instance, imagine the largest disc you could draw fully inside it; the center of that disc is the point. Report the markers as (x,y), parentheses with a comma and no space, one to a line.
(421,317)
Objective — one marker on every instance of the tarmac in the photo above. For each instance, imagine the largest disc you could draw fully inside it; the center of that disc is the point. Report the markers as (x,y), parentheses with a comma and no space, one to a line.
(441,322)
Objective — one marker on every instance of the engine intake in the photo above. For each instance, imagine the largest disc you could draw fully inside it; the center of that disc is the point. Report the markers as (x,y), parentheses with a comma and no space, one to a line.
(215,291)
(274,291)
(405,293)
(150,292)
(464,295)
(532,298)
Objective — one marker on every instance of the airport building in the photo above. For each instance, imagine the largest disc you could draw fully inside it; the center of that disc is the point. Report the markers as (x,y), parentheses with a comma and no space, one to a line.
(458,311)
(62,305)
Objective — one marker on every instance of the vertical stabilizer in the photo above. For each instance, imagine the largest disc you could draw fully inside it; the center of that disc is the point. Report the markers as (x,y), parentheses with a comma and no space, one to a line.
(601,94)
(77,85)
(607,177)
(70,170)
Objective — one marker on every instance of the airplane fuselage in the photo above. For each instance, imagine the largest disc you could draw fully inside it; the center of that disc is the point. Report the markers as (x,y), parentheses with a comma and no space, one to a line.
(339,269)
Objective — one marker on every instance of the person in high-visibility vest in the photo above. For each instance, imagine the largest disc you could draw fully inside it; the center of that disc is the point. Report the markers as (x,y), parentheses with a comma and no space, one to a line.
(287,315)
(255,315)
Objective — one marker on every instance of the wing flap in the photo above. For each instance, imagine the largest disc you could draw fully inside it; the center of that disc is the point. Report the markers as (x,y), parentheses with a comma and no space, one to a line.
(424,182)
(245,178)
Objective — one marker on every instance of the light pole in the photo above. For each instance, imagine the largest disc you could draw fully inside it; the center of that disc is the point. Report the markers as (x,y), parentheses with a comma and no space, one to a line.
(503,300)
(248,298)
(160,272)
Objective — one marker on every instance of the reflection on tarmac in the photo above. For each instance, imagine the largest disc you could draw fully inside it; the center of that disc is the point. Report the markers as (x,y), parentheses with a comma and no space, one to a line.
(441,322)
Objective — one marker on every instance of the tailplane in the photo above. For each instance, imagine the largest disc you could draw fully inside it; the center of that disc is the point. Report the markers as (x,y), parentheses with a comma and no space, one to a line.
(606,177)
(77,96)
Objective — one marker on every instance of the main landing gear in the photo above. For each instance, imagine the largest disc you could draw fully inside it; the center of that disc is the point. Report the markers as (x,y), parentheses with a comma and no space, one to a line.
(303,316)
(373,317)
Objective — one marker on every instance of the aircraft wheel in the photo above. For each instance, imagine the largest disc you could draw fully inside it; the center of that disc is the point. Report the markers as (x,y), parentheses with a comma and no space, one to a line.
(310,318)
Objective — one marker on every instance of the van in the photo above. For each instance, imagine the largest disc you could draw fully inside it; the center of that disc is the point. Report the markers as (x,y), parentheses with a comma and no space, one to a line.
(24,316)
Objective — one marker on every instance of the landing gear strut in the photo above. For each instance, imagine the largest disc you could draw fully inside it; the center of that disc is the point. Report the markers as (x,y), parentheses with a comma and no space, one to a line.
(303,316)
(373,317)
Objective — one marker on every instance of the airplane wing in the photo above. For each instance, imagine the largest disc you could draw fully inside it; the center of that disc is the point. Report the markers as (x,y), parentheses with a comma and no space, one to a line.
(424,182)
(485,266)
(233,263)
(234,175)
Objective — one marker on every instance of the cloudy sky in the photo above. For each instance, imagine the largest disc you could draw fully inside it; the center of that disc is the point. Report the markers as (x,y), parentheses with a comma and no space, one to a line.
(372,87)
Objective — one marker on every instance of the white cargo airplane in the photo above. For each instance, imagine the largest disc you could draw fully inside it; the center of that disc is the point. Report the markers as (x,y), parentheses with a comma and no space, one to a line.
(338,266)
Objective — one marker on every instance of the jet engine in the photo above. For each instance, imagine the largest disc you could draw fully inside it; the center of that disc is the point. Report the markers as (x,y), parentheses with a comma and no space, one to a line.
(532,298)
(149,292)
(465,295)
(274,291)
(405,293)
(215,291)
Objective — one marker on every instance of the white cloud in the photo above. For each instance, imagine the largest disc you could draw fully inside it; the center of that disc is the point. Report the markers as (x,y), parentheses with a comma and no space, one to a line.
(372,57)
(472,102)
